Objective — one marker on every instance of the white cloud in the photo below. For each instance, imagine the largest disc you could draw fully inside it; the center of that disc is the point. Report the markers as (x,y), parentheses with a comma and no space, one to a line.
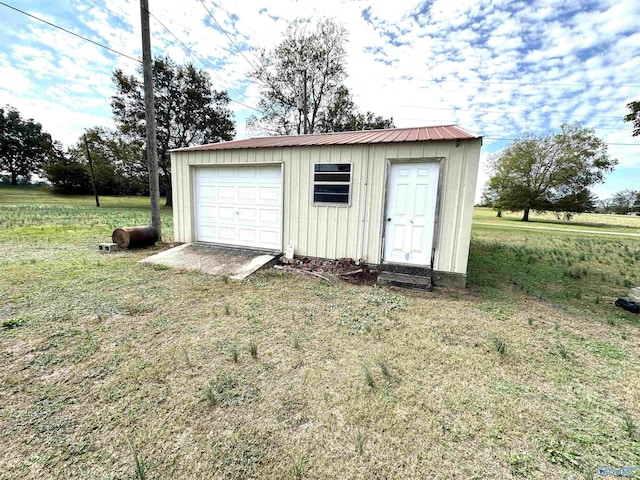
(422,62)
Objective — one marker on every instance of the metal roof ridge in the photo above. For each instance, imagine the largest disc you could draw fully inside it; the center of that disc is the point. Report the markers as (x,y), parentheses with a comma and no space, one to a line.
(381,135)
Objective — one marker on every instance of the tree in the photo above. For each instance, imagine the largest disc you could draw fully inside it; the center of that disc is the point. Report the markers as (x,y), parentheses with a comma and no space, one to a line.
(549,173)
(188,111)
(624,202)
(299,76)
(67,175)
(342,115)
(634,116)
(118,162)
(24,146)
(119,168)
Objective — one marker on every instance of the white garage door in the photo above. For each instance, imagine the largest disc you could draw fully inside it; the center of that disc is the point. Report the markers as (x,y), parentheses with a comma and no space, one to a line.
(239,206)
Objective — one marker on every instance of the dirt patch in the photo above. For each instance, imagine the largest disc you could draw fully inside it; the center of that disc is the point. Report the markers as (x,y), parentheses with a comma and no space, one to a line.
(342,269)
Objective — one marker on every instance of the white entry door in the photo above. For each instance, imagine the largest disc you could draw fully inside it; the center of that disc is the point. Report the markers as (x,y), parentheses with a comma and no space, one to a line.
(410,212)
(240,206)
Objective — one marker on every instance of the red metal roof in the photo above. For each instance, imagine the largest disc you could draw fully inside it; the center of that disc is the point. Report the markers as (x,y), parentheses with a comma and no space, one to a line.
(392,135)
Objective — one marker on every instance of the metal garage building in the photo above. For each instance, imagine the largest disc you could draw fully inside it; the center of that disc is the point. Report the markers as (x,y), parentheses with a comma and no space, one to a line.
(399,197)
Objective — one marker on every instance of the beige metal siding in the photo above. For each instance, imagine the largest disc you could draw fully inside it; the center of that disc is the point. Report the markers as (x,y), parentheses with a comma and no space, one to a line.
(337,231)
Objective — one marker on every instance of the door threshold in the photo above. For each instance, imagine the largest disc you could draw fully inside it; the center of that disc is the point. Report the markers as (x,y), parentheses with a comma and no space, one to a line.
(405,264)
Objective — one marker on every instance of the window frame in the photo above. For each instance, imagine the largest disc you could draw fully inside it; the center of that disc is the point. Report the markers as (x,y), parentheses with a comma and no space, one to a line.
(349,184)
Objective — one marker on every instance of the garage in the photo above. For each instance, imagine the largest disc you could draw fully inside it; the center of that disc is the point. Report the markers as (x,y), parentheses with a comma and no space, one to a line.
(399,199)
(239,206)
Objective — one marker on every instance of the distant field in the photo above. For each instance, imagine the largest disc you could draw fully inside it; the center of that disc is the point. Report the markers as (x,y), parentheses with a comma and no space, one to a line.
(586,221)
(10,195)
(117,370)
(37,214)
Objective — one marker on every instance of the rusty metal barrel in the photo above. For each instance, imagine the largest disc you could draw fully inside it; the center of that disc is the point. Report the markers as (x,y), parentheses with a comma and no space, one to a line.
(134,237)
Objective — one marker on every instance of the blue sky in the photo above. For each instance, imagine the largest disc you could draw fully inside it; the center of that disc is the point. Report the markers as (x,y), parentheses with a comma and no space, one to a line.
(499,68)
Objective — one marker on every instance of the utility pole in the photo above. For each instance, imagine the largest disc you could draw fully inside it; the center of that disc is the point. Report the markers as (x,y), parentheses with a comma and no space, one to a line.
(93,179)
(150,116)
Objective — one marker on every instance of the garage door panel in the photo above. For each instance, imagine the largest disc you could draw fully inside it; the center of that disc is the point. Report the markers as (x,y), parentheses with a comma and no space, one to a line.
(209,193)
(269,173)
(269,237)
(247,235)
(247,194)
(226,193)
(208,233)
(269,194)
(247,173)
(227,233)
(269,217)
(239,205)
(226,213)
(247,215)
(208,214)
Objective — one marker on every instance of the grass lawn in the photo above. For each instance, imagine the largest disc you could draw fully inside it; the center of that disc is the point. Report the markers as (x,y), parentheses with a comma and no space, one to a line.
(583,221)
(116,370)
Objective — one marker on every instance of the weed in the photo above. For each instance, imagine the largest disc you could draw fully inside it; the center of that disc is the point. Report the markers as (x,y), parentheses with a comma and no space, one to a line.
(233,352)
(384,368)
(629,425)
(368,377)
(12,323)
(388,302)
(224,279)
(359,442)
(222,391)
(139,463)
(227,309)
(359,321)
(559,453)
(563,352)
(295,341)
(252,348)
(623,335)
(187,360)
(499,345)
(298,468)
(530,321)
(521,464)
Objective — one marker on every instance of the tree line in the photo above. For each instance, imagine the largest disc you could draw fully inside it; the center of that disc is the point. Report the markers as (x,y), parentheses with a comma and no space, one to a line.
(301,87)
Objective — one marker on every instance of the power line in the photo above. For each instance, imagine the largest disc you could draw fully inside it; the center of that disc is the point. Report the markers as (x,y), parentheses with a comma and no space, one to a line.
(228,36)
(204,62)
(70,32)
(113,12)
(189,50)
(608,143)
(522,84)
(473,110)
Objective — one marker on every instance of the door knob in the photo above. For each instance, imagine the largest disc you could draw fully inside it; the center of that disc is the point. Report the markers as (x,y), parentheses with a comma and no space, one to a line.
(389,219)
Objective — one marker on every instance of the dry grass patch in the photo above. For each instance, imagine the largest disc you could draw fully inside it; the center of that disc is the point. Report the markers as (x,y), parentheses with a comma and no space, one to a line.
(78,388)
(114,368)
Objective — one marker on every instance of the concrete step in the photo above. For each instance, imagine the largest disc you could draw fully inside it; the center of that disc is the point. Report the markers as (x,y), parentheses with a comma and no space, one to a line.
(421,282)
(406,269)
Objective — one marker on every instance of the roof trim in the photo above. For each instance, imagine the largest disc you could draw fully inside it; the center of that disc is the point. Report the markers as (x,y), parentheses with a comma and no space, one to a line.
(360,137)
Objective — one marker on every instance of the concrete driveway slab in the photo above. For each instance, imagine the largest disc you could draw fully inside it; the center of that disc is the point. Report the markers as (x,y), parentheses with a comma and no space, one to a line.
(235,263)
